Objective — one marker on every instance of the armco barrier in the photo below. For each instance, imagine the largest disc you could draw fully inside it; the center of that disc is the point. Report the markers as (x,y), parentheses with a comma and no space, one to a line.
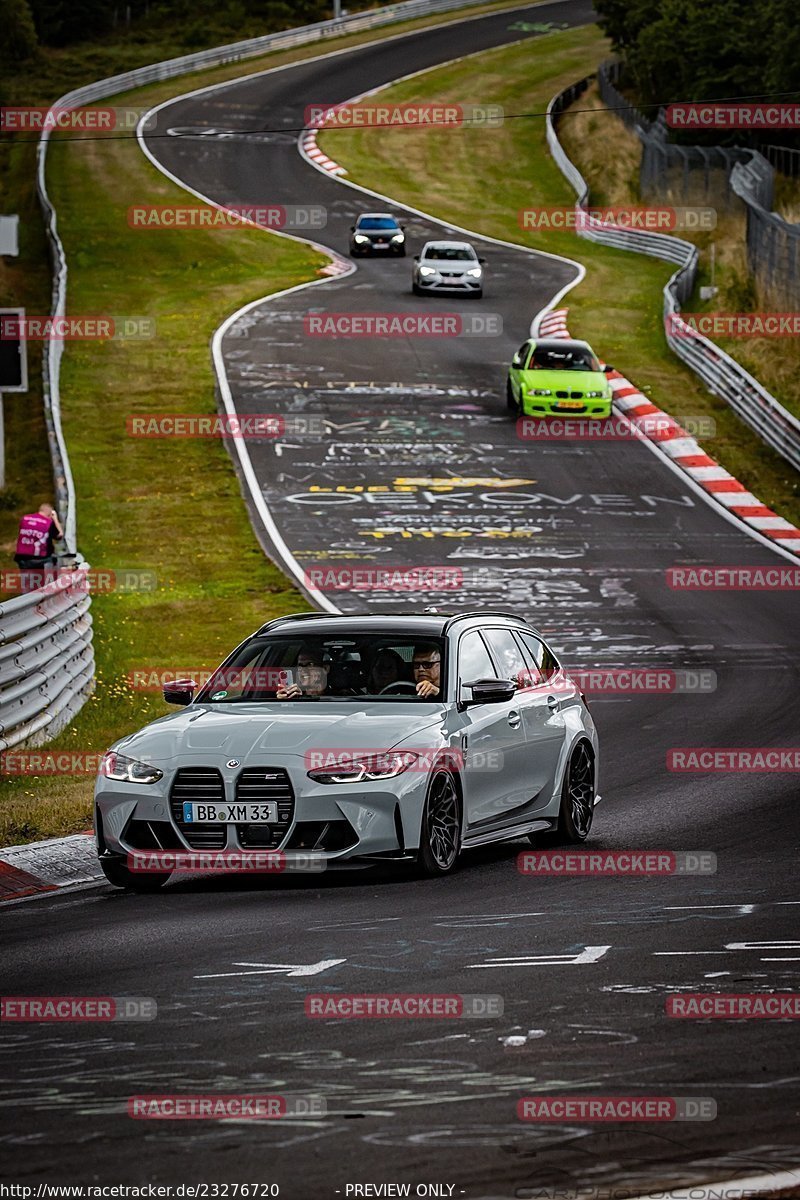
(721,374)
(46,655)
(46,660)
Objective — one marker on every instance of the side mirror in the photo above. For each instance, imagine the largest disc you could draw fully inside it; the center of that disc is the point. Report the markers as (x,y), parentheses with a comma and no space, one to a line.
(180,692)
(416,258)
(608,368)
(352,228)
(482,261)
(516,361)
(491,691)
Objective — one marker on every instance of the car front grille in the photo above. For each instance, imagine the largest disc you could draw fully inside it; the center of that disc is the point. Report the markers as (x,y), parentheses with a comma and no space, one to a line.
(203,784)
(256,785)
(570,395)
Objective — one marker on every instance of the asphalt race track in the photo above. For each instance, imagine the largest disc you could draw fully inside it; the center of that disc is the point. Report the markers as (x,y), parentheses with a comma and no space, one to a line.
(584,964)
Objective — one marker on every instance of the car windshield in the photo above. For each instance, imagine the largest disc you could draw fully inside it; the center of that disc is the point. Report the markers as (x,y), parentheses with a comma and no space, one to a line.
(377,223)
(571,358)
(385,668)
(450,253)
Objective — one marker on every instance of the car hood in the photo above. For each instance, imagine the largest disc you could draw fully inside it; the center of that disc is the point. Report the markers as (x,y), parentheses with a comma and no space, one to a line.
(570,381)
(254,730)
(443,264)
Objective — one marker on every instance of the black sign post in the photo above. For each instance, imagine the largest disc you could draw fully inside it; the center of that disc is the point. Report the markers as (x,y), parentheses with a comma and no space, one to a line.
(13,367)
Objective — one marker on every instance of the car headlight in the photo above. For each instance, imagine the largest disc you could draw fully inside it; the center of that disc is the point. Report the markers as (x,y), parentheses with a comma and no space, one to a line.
(475,272)
(127,770)
(427,271)
(398,237)
(539,392)
(365,767)
(594,395)
(360,237)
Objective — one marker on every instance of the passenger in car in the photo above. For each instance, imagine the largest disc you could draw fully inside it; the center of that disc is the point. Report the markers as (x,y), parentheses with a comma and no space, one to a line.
(312,675)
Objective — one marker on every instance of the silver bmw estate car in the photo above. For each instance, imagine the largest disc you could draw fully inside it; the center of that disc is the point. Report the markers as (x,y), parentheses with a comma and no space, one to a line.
(362,739)
(448,267)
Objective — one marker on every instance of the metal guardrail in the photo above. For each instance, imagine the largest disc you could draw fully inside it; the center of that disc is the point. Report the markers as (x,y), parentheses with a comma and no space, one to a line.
(722,375)
(46,659)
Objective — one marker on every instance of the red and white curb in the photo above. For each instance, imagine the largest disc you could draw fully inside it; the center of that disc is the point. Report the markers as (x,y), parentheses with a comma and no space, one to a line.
(42,867)
(554,324)
(685,452)
(308,141)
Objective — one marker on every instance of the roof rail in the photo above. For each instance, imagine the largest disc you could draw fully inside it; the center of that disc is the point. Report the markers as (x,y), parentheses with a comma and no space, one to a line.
(484,612)
(303,616)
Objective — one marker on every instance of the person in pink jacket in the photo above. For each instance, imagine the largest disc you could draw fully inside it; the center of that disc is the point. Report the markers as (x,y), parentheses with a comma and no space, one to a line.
(35,540)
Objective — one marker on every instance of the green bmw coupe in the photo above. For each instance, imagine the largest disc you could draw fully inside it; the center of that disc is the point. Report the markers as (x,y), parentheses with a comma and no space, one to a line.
(550,377)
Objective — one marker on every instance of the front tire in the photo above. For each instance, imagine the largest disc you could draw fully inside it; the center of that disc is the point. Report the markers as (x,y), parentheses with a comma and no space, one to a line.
(119,876)
(440,837)
(511,402)
(576,812)
(416,290)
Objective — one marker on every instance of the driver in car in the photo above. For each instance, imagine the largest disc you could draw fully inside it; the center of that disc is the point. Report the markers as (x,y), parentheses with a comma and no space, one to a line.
(427,665)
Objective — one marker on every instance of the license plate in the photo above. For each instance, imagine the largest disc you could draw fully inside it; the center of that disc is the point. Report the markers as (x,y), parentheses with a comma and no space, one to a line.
(380,243)
(569,404)
(195,813)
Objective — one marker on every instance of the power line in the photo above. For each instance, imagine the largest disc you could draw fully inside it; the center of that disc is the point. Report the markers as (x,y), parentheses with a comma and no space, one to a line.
(217,131)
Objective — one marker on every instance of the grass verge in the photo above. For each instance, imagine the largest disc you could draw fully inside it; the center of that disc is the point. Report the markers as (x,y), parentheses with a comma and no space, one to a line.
(493,174)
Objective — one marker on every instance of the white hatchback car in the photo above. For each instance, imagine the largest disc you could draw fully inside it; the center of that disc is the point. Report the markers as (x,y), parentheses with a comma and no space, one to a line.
(448,267)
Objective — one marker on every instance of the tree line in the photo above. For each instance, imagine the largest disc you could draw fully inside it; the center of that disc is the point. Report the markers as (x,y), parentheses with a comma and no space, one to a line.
(675,50)
(28,24)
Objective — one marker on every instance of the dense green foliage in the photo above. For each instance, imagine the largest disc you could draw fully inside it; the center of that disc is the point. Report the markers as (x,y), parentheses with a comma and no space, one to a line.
(66,22)
(705,49)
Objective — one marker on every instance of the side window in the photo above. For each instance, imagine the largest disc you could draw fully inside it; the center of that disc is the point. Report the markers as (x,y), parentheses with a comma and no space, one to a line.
(534,675)
(473,658)
(545,659)
(509,657)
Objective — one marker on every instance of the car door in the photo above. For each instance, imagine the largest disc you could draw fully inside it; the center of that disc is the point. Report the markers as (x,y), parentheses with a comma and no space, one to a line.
(493,744)
(541,703)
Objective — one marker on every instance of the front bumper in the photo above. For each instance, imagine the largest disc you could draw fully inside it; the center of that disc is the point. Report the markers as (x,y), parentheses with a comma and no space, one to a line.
(336,821)
(438,284)
(372,247)
(548,406)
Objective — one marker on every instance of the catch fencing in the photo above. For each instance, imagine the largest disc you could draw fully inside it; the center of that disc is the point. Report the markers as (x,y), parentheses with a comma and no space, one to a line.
(731,178)
(721,374)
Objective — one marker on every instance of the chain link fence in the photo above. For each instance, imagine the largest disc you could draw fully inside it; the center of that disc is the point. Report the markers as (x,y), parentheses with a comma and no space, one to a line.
(723,376)
(729,178)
